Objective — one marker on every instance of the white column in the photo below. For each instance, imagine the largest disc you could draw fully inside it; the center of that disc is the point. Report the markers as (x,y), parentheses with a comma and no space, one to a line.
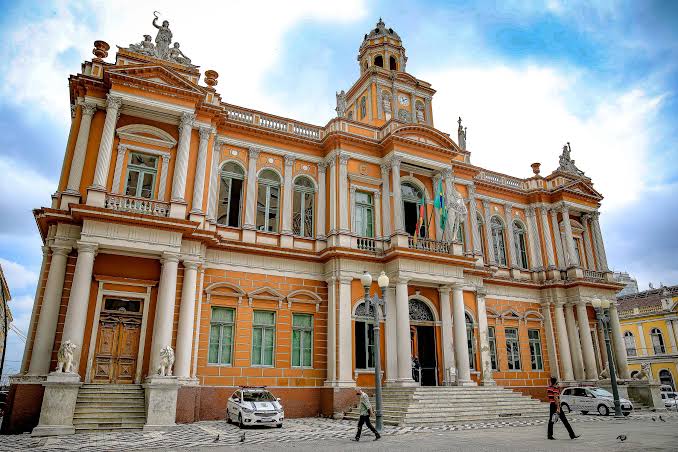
(385,200)
(508,216)
(182,366)
(550,340)
(333,195)
(603,346)
(548,243)
(618,342)
(449,367)
(672,326)
(119,164)
(473,213)
(644,350)
(320,222)
(200,169)
(485,359)
(331,331)
(377,213)
(113,105)
(460,342)
(403,320)
(162,185)
(533,237)
(251,201)
(88,110)
(587,342)
(181,162)
(450,232)
(164,310)
(588,247)
(287,195)
(213,191)
(575,343)
(598,243)
(49,312)
(570,250)
(488,234)
(391,336)
(399,225)
(345,347)
(343,193)
(352,191)
(34,311)
(558,240)
(78,300)
(564,352)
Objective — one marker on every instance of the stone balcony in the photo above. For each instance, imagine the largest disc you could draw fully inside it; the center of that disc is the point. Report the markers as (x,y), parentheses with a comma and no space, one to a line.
(122,203)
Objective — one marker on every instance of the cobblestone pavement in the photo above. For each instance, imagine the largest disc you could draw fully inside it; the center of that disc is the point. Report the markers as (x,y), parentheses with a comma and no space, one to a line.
(314,433)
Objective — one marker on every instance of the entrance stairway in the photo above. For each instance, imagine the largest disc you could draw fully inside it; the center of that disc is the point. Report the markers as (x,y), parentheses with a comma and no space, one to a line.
(106,407)
(453,404)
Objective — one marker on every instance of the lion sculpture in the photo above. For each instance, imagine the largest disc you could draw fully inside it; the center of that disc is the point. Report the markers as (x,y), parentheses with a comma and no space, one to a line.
(166,361)
(605,374)
(645,372)
(65,357)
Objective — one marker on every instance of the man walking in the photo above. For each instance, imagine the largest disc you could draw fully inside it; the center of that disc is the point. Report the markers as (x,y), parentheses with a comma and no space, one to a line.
(553,394)
(365,412)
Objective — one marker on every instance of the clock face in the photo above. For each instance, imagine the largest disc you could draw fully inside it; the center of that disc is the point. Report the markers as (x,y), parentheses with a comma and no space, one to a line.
(404,100)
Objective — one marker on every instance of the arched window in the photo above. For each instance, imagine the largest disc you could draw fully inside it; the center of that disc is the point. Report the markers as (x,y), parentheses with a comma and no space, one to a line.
(666,378)
(392,64)
(364,337)
(414,206)
(630,343)
(497,228)
(230,195)
(657,341)
(471,342)
(303,207)
(481,236)
(520,244)
(379,61)
(268,201)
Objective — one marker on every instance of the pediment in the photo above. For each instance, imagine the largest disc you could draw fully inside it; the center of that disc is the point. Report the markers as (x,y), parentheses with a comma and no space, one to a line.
(143,133)
(266,293)
(579,186)
(155,74)
(424,135)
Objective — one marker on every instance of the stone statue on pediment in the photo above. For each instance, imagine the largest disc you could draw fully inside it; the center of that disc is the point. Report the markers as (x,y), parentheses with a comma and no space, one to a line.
(163,47)
(177,55)
(145,47)
(461,135)
(566,163)
(341,104)
(164,37)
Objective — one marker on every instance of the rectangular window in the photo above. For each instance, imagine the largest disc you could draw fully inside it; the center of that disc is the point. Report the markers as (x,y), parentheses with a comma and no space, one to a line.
(263,338)
(364,214)
(364,345)
(535,350)
(512,348)
(493,347)
(221,336)
(141,172)
(302,340)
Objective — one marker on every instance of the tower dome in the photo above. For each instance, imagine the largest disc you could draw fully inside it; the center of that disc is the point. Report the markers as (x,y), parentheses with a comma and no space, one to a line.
(382,47)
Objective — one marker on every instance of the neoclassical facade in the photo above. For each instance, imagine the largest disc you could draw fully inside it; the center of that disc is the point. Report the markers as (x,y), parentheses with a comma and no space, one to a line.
(238,237)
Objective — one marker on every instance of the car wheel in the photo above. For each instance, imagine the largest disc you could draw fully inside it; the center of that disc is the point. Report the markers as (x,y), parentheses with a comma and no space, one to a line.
(584,412)
(603,410)
(279,425)
(240,424)
(228,417)
(626,413)
(565,407)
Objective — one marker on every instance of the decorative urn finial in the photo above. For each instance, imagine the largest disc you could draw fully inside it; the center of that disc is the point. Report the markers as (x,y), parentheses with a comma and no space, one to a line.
(100,50)
(535,168)
(211,78)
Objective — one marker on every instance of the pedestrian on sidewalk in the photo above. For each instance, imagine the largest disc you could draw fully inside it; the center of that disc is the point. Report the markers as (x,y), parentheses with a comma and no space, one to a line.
(553,393)
(365,412)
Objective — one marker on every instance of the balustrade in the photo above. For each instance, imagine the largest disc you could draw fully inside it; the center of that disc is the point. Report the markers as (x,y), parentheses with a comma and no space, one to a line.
(137,205)
(592,274)
(366,244)
(434,246)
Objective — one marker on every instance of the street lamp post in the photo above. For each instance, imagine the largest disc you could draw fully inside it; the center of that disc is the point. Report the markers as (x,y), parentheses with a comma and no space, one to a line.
(601,307)
(376,302)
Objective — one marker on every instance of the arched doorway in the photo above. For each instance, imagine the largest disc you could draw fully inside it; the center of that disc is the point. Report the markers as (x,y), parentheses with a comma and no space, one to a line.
(423,343)
(665,378)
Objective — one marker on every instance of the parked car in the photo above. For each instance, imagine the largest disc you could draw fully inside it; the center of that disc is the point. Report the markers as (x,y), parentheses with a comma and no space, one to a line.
(670,399)
(254,406)
(592,399)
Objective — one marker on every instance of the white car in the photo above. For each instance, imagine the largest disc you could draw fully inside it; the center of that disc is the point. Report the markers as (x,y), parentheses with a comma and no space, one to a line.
(592,399)
(670,399)
(254,406)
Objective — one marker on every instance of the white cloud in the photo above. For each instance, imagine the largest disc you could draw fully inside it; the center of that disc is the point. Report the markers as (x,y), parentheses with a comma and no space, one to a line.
(18,277)
(520,115)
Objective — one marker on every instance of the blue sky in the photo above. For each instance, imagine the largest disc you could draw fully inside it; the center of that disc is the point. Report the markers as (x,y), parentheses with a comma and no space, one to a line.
(526,77)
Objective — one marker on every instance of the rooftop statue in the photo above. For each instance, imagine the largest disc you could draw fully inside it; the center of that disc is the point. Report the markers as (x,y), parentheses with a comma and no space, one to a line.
(161,49)
(567,163)
(461,135)
(341,103)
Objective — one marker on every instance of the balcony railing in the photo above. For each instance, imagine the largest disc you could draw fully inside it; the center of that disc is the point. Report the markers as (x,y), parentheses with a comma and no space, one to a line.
(593,274)
(501,179)
(367,244)
(137,205)
(273,123)
(434,246)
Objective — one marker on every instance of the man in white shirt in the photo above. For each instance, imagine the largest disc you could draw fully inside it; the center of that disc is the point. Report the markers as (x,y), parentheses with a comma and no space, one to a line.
(365,411)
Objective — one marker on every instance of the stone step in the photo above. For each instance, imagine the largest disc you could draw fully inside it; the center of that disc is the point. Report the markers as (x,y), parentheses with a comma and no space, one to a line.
(101,413)
(108,409)
(109,397)
(109,427)
(104,420)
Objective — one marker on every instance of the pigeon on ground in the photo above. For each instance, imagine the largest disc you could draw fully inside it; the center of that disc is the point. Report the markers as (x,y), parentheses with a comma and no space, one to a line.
(621,438)
(216,440)
(242,437)
(661,419)
(654,419)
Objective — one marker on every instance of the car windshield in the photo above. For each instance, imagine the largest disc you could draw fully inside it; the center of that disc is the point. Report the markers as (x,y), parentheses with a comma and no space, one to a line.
(671,395)
(258,396)
(600,392)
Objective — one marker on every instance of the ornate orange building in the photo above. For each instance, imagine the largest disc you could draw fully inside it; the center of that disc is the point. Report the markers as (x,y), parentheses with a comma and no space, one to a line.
(237,238)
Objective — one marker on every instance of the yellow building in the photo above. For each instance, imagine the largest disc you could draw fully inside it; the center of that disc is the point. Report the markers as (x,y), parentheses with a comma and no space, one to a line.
(649,323)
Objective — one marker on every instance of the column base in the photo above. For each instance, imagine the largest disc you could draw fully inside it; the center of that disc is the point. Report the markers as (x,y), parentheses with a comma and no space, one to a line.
(161,402)
(188,381)
(488,383)
(198,217)
(286,241)
(400,240)
(58,404)
(466,383)
(178,209)
(340,384)
(553,274)
(405,383)
(575,273)
(249,235)
(68,198)
(96,197)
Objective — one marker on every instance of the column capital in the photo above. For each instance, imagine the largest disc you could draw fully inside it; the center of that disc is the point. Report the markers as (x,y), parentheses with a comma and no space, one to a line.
(62,250)
(191,264)
(400,280)
(165,157)
(486,205)
(87,247)
(377,195)
(88,108)
(289,160)
(330,162)
(169,257)
(345,279)
(444,290)
(187,120)
(253,153)
(385,167)
(204,132)
(530,211)
(471,191)
(564,209)
(113,102)
(322,167)
(344,158)
(447,173)
(352,189)
(395,162)
(595,215)
(559,303)
(481,292)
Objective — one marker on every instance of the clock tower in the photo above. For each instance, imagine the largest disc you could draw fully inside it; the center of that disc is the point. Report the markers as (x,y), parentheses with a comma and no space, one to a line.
(384,91)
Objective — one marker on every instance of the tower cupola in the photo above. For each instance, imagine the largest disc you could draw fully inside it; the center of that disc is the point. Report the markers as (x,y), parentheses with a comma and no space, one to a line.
(383,48)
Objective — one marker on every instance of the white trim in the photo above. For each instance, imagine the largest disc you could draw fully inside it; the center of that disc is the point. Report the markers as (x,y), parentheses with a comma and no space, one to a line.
(268,149)
(431,306)
(129,132)
(101,293)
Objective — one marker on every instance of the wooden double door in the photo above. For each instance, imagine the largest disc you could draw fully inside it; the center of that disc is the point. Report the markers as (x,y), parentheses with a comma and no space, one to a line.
(117,345)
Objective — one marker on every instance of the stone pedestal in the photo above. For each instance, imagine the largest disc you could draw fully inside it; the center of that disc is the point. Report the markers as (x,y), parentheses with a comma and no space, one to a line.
(648,393)
(96,197)
(161,402)
(58,405)
(553,274)
(400,240)
(198,217)
(68,198)
(286,240)
(178,209)
(575,273)
(249,235)
(621,387)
